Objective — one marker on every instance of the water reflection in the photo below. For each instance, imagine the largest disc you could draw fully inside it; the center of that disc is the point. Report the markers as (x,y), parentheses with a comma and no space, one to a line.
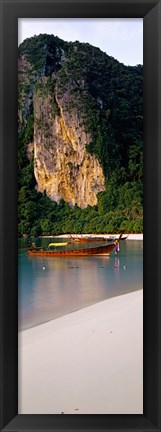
(49,288)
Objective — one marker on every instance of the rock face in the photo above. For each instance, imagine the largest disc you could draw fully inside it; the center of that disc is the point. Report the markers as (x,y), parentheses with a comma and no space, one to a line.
(62,166)
(80,118)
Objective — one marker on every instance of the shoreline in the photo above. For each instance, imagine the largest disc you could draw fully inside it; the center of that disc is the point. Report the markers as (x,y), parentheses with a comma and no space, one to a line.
(129,236)
(87,362)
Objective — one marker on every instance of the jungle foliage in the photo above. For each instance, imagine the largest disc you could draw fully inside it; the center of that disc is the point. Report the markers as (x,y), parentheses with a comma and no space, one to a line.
(109,97)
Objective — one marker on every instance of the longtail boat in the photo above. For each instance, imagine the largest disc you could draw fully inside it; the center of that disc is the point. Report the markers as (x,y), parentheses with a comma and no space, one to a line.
(88,239)
(97,250)
(114,238)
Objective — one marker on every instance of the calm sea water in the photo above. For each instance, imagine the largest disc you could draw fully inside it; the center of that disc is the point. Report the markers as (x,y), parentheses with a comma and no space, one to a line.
(52,287)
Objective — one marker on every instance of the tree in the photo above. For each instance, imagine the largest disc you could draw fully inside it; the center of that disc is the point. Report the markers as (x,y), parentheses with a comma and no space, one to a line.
(46,227)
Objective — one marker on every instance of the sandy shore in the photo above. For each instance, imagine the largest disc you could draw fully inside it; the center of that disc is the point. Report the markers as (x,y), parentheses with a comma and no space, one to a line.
(129,236)
(90,361)
(134,236)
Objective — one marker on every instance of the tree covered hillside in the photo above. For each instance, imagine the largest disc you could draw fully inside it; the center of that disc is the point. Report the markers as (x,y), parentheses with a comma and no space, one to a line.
(108,99)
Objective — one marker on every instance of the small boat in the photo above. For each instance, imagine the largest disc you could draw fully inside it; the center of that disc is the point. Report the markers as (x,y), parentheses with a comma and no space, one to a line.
(94,239)
(110,239)
(97,250)
(88,239)
(114,238)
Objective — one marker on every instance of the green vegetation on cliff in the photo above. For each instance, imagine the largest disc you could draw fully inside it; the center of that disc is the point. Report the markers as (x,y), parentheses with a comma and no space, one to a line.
(109,98)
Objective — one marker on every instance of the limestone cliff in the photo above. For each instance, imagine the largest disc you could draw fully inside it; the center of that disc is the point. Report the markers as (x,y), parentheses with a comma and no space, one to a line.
(80,126)
(62,166)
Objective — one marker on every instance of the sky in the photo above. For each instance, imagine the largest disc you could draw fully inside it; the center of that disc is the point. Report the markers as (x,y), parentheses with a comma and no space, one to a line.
(121,38)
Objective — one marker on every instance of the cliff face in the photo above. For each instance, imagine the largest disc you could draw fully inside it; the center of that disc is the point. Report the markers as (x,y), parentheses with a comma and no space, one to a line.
(62,166)
(80,119)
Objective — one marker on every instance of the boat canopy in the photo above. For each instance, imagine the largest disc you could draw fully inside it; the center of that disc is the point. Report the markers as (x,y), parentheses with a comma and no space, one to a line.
(58,244)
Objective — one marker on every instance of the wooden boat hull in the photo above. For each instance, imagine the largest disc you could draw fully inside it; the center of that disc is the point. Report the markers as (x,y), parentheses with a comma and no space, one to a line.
(88,239)
(98,250)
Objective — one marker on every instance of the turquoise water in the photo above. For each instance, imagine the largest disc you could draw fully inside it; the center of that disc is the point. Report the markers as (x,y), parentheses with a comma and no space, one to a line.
(52,287)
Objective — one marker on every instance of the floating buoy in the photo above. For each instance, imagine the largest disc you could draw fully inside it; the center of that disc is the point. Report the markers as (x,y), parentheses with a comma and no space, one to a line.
(43,268)
(124,267)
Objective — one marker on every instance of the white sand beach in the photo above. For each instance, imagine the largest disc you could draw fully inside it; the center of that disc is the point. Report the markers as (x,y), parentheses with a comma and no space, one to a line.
(86,362)
(129,236)
(134,236)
